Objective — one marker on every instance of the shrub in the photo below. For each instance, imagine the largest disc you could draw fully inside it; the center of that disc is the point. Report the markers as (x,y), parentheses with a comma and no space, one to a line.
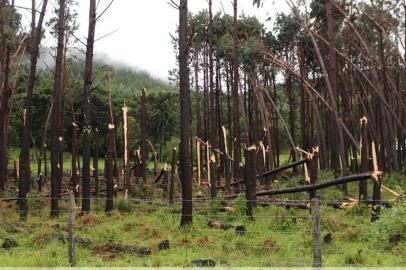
(124,206)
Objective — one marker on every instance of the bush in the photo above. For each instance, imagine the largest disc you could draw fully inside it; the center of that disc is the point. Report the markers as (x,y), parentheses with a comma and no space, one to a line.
(392,222)
(124,206)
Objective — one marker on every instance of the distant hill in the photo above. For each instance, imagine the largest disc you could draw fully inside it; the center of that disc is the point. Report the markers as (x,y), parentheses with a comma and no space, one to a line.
(125,79)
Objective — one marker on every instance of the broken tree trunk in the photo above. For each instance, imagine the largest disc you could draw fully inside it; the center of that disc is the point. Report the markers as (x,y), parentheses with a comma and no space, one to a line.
(109,170)
(307,188)
(250,179)
(173,175)
(363,187)
(285,167)
(313,166)
(127,183)
(96,162)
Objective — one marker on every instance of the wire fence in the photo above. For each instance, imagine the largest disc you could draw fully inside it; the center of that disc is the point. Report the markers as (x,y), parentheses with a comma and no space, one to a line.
(150,234)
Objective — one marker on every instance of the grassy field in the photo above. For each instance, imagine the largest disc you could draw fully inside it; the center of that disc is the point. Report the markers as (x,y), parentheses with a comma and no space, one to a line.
(277,237)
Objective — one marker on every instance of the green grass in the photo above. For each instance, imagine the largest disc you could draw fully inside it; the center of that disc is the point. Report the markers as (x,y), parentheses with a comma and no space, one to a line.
(273,239)
(278,236)
(13,154)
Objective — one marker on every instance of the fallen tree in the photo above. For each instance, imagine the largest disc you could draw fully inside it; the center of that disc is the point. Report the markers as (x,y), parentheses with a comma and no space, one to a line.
(313,187)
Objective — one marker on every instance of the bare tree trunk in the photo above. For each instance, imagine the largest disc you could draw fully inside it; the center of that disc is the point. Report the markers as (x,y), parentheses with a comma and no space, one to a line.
(56,146)
(25,172)
(184,155)
(127,183)
(144,128)
(213,122)
(235,97)
(96,162)
(109,168)
(74,168)
(87,109)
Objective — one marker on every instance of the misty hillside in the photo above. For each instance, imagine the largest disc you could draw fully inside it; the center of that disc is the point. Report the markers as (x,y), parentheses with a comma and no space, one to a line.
(125,79)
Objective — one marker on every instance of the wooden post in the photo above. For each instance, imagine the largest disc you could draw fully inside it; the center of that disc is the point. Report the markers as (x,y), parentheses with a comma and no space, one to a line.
(313,166)
(173,175)
(250,179)
(316,242)
(71,225)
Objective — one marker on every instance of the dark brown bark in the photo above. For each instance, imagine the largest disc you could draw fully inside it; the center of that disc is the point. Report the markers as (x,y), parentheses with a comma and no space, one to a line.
(313,168)
(363,187)
(213,122)
(184,154)
(25,172)
(173,176)
(96,162)
(109,168)
(235,96)
(250,180)
(144,127)
(87,95)
(74,167)
(36,36)
(56,143)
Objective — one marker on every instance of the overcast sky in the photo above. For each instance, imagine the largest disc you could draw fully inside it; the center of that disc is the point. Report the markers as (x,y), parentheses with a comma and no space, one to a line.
(141,28)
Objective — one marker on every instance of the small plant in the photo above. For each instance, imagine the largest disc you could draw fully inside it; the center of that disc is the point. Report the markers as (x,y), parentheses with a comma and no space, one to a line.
(124,206)
(214,205)
(241,204)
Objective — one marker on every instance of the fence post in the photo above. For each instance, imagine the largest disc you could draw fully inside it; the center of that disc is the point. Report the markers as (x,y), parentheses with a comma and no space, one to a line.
(316,242)
(71,224)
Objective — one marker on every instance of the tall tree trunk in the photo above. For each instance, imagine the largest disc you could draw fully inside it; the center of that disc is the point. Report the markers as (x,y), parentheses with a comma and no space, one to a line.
(25,172)
(144,128)
(87,109)
(184,155)
(235,96)
(109,168)
(56,146)
(213,122)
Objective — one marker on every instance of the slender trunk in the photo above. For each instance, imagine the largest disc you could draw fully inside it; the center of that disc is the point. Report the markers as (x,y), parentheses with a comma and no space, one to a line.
(87,123)
(184,155)
(96,162)
(213,122)
(235,97)
(144,128)
(56,146)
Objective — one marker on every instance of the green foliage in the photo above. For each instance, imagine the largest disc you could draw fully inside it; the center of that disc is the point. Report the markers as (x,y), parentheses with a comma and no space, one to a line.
(123,205)
(392,222)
